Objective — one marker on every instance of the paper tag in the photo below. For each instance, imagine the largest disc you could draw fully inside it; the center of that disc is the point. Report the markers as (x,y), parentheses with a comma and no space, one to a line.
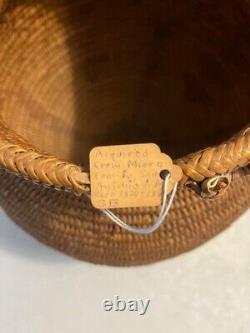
(129,175)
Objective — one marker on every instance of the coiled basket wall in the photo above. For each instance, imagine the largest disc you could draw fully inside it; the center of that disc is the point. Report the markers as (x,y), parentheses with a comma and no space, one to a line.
(85,73)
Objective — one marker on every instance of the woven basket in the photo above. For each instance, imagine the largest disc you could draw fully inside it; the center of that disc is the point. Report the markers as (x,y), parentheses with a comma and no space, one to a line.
(79,74)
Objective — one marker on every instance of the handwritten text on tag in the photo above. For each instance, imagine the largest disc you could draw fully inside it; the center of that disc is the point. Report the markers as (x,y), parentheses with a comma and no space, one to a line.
(129,175)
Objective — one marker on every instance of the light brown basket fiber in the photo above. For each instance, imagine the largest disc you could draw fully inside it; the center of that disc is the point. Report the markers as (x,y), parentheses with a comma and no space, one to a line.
(74,75)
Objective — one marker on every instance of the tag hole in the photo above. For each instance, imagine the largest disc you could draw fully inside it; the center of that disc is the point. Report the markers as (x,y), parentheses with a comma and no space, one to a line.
(164,174)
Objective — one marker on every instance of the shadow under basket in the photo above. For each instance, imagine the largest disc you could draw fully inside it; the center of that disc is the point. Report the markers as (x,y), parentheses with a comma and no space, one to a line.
(80,74)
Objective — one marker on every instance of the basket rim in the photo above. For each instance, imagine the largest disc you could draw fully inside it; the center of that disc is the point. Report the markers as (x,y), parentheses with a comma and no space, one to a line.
(25,160)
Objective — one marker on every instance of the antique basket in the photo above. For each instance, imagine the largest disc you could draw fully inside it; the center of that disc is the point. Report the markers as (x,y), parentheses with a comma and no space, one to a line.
(78,74)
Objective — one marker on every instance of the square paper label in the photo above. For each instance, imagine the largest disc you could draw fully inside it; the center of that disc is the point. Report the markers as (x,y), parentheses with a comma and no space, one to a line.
(129,175)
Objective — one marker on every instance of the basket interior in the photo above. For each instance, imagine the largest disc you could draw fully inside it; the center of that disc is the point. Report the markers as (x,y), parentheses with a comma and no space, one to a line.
(76,74)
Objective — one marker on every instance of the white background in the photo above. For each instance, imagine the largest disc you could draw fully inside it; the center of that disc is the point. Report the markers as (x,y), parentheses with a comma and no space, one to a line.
(206,290)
